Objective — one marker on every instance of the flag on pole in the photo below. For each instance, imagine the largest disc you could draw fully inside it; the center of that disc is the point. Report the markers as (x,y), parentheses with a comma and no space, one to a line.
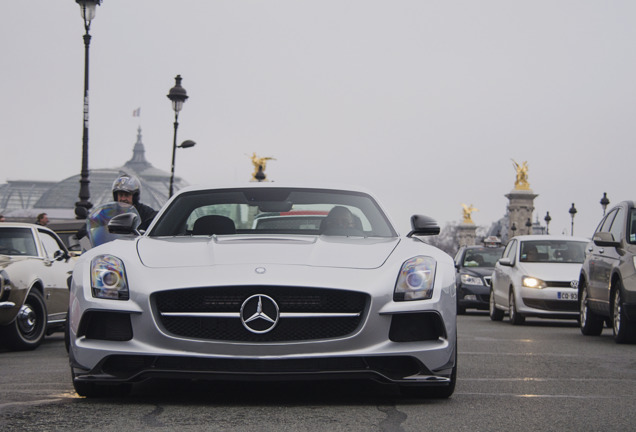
(137,112)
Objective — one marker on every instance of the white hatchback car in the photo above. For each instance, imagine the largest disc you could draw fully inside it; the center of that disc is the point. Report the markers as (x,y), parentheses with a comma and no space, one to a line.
(537,276)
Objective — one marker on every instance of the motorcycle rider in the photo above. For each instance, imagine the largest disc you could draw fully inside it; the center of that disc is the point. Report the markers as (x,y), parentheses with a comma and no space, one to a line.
(126,189)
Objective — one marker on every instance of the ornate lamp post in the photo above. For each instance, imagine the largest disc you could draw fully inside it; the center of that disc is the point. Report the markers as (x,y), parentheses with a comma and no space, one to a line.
(604,202)
(178,96)
(87,8)
(529,226)
(547,220)
(572,214)
(513,228)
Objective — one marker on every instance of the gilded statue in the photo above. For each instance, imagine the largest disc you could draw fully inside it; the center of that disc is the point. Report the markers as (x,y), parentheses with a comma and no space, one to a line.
(521,182)
(468,211)
(260,164)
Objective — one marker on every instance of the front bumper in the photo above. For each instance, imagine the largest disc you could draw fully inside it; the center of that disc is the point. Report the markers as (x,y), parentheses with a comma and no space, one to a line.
(548,302)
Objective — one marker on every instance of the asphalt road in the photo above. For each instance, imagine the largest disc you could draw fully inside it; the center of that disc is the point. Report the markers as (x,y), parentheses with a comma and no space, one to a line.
(543,376)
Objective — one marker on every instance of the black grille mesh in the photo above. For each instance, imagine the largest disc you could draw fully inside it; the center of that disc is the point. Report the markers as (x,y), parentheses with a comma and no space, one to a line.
(289,299)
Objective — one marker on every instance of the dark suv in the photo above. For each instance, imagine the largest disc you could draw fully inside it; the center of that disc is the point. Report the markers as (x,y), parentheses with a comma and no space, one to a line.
(474,266)
(607,286)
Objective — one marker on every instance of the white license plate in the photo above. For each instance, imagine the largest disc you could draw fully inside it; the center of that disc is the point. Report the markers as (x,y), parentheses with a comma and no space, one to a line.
(567,296)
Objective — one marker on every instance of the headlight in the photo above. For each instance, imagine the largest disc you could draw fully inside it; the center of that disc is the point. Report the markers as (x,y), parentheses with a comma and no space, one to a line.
(531,282)
(467,279)
(416,279)
(108,278)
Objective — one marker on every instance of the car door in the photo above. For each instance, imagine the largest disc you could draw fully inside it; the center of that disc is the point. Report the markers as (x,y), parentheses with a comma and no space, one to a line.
(605,258)
(501,275)
(55,275)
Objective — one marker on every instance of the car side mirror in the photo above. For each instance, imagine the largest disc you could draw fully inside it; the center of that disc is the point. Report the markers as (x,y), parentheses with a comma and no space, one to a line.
(423,225)
(59,255)
(126,223)
(505,262)
(605,239)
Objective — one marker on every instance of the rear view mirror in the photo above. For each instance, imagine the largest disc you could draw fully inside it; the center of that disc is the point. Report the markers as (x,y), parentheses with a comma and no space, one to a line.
(423,225)
(505,262)
(605,239)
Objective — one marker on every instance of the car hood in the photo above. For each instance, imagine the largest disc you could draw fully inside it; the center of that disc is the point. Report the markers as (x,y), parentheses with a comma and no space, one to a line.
(551,271)
(318,251)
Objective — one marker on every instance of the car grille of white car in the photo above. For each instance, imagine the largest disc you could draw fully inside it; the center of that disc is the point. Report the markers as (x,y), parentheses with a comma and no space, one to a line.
(213,313)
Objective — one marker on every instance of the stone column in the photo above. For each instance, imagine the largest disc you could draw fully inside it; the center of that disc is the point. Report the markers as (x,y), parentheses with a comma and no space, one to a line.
(520,208)
(466,234)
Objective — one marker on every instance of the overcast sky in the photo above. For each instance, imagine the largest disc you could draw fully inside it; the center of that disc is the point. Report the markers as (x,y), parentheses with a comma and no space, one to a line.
(425,103)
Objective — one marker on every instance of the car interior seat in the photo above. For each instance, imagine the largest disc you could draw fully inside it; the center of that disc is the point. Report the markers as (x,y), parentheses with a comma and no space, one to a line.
(213,224)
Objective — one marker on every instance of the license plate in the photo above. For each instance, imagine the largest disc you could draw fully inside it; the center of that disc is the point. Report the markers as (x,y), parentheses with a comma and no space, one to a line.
(567,296)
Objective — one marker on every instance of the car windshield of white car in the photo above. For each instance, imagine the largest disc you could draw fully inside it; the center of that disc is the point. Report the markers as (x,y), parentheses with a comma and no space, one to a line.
(552,251)
(17,241)
(273,210)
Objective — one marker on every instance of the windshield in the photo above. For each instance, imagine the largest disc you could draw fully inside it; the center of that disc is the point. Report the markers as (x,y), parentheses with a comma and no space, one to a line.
(17,241)
(482,257)
(552,251)
(273,211)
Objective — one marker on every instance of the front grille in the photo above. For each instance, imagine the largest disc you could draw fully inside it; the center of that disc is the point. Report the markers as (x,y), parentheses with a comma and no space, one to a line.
(562,284)
(308,306)
(553,305)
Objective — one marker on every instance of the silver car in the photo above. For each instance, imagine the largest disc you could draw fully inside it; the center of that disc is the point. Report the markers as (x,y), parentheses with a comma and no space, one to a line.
(35,267)
(537,276)
(203,294)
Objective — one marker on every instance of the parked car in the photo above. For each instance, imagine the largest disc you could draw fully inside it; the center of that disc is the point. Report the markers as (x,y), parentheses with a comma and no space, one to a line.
(607,284)
(474,266)
(537,276)
(204,294)
(35,268)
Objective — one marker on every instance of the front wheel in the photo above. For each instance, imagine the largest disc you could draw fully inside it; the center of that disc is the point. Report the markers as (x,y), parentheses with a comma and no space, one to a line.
(495,314)
(515,317)
(590,323)
(623,328)
(27,331)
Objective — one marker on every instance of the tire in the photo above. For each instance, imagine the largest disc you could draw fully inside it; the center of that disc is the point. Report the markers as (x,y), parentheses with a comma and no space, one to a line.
(590,323)
(515,317)
(27,331)
(623,328)
(495,314)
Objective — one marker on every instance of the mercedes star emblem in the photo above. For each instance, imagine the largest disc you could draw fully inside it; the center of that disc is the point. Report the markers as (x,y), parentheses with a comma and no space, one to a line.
(259,313)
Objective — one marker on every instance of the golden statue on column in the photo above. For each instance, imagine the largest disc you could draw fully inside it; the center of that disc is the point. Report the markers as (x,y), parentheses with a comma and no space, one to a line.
(468,211)
(521,182)
(260,164)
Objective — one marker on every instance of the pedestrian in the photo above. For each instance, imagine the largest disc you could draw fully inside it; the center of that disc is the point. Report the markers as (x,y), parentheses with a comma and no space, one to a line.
(43,219)
(2,219)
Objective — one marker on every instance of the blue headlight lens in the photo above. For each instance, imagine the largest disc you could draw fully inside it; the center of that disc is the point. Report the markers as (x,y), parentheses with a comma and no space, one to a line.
(108,278)
(416,279)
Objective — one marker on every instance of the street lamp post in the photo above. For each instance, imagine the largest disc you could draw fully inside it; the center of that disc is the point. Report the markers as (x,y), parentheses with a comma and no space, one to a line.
(87,8)
(547,220)
(604,202)
(572,212)
(513,228)
(529,226)
(178,96)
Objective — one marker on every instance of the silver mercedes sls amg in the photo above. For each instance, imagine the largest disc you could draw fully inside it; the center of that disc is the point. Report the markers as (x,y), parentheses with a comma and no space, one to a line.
(208,293)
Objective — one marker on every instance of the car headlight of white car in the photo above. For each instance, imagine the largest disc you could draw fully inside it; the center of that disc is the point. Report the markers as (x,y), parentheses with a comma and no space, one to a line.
(532,282)
(108,278)
(416,279)
(467,279)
